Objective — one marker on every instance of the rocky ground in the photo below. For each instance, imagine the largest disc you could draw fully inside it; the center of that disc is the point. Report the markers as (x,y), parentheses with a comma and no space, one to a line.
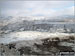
(48,44)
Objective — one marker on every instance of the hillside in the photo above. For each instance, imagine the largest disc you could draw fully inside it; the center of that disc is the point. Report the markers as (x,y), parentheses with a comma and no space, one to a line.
(36,43)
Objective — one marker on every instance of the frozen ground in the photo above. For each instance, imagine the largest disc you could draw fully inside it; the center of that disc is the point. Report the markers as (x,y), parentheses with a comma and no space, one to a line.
(37,42)
(30,35)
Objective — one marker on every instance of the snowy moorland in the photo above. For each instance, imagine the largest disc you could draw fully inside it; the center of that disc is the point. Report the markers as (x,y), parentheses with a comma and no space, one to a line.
(31,35)
(36,43)
(21,36)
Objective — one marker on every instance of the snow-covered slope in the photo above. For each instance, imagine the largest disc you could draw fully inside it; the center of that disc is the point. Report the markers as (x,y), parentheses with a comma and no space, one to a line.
(36,42)
(30,35)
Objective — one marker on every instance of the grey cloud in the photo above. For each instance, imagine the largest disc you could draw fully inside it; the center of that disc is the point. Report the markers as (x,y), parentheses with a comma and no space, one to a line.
(38,7)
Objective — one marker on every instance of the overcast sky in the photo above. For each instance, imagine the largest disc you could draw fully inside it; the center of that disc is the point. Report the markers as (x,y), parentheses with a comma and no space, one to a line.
(37,8)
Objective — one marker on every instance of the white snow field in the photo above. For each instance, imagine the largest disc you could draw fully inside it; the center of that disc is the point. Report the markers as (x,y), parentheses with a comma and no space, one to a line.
(30,35)
(29,38)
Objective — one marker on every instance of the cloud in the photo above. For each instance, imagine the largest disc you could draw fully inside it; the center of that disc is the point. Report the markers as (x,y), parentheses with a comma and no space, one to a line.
(36,8)
(34,4)
(48,12)
(66,11)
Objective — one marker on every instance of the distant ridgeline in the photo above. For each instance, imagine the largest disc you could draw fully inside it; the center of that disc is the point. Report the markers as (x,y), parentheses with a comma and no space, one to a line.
(38,25)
